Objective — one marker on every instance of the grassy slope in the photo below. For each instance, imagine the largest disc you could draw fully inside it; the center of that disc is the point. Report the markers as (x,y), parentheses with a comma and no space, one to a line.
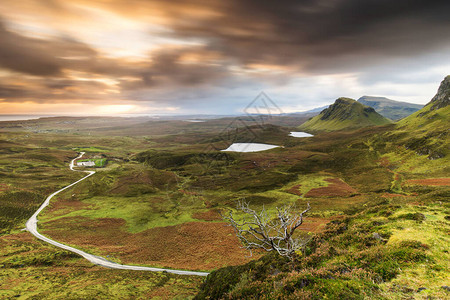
(345,113)
(167,186)
(427,119)
(393,247)
(426,131)
(348,261)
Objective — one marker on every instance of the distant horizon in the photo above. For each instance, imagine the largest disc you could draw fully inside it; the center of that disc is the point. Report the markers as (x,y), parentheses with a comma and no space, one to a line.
(25,117)
(175,114)
(167,114)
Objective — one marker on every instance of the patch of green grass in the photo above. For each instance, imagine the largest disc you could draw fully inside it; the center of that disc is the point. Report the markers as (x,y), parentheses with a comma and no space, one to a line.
(430,233)
(310,181)
(409,162)
(91,149)
(140,213)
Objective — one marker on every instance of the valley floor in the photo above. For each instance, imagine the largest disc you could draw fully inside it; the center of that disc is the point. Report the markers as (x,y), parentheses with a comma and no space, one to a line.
(380,214)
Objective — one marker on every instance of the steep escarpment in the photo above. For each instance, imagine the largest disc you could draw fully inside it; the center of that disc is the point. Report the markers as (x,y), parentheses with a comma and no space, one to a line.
(442,98)
(427,130)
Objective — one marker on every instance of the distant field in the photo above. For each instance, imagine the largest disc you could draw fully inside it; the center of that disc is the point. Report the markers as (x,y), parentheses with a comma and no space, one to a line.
(91,150)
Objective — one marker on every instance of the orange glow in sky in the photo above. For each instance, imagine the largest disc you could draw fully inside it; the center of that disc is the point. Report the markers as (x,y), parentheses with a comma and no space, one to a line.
(126,56)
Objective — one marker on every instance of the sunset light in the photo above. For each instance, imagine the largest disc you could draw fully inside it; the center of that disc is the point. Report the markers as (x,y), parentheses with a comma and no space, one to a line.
(197,55)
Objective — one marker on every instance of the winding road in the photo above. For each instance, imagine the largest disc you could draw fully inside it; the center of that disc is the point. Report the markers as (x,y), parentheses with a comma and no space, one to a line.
(31,226)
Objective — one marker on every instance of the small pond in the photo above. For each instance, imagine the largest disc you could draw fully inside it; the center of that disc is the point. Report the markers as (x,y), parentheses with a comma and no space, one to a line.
(249,147)
(300,134)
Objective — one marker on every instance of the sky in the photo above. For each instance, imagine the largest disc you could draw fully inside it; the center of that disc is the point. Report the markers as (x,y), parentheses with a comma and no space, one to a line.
(109,57)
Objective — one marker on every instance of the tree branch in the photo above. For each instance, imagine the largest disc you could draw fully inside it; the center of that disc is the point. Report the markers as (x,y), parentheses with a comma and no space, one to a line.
(259,231)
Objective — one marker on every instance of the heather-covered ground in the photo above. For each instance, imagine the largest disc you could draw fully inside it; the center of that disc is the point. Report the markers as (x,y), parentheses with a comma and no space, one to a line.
(379,217)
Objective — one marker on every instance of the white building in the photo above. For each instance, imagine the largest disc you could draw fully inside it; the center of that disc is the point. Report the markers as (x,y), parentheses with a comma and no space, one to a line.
(85,163)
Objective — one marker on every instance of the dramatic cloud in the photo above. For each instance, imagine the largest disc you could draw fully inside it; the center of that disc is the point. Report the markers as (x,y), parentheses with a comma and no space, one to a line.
(196,53)
(26,55)
(282,32)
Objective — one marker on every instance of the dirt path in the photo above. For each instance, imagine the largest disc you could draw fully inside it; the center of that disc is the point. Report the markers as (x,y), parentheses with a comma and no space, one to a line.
(31,226)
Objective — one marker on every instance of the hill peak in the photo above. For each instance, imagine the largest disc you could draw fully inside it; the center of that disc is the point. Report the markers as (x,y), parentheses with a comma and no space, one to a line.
(344,113)
(344,100)
(442,97)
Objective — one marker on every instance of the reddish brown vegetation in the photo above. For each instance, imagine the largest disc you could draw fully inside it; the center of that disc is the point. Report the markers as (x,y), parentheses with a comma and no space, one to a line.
(122,184)
(314,224)
(391,195)
(384,162)
(64,206)
(210,215)
(193,246)
(18,237)
(431,181)
(336,188)
(190,193)
(416,203)
(153,179)
(3,187)
(295,190)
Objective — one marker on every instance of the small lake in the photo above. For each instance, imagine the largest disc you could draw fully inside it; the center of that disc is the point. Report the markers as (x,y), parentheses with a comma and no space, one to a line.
(249,147)
(300,134)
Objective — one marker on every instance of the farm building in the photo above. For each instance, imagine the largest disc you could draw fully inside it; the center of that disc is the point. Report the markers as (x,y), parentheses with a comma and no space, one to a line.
(85,163)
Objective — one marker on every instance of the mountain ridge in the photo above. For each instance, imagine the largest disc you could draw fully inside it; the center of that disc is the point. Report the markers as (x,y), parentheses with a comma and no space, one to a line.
(344,113)
(391,109)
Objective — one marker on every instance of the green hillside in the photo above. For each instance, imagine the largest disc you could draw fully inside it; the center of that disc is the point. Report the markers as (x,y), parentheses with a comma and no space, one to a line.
(434,114)
(349,260)
(345,113)
(391,109)
(426,131)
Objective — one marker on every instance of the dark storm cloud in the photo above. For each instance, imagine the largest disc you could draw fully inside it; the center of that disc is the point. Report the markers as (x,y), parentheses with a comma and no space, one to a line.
(309,35)
(26,55)
(229,40)
(49,57)
(314,33)
(46,90)
(12,92)
(168,67)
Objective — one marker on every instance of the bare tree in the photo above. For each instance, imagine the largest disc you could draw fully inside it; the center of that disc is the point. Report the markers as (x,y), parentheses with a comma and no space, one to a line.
(269,232)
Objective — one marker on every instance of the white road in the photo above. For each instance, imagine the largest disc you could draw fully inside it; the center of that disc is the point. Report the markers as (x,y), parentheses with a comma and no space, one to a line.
(31,226)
